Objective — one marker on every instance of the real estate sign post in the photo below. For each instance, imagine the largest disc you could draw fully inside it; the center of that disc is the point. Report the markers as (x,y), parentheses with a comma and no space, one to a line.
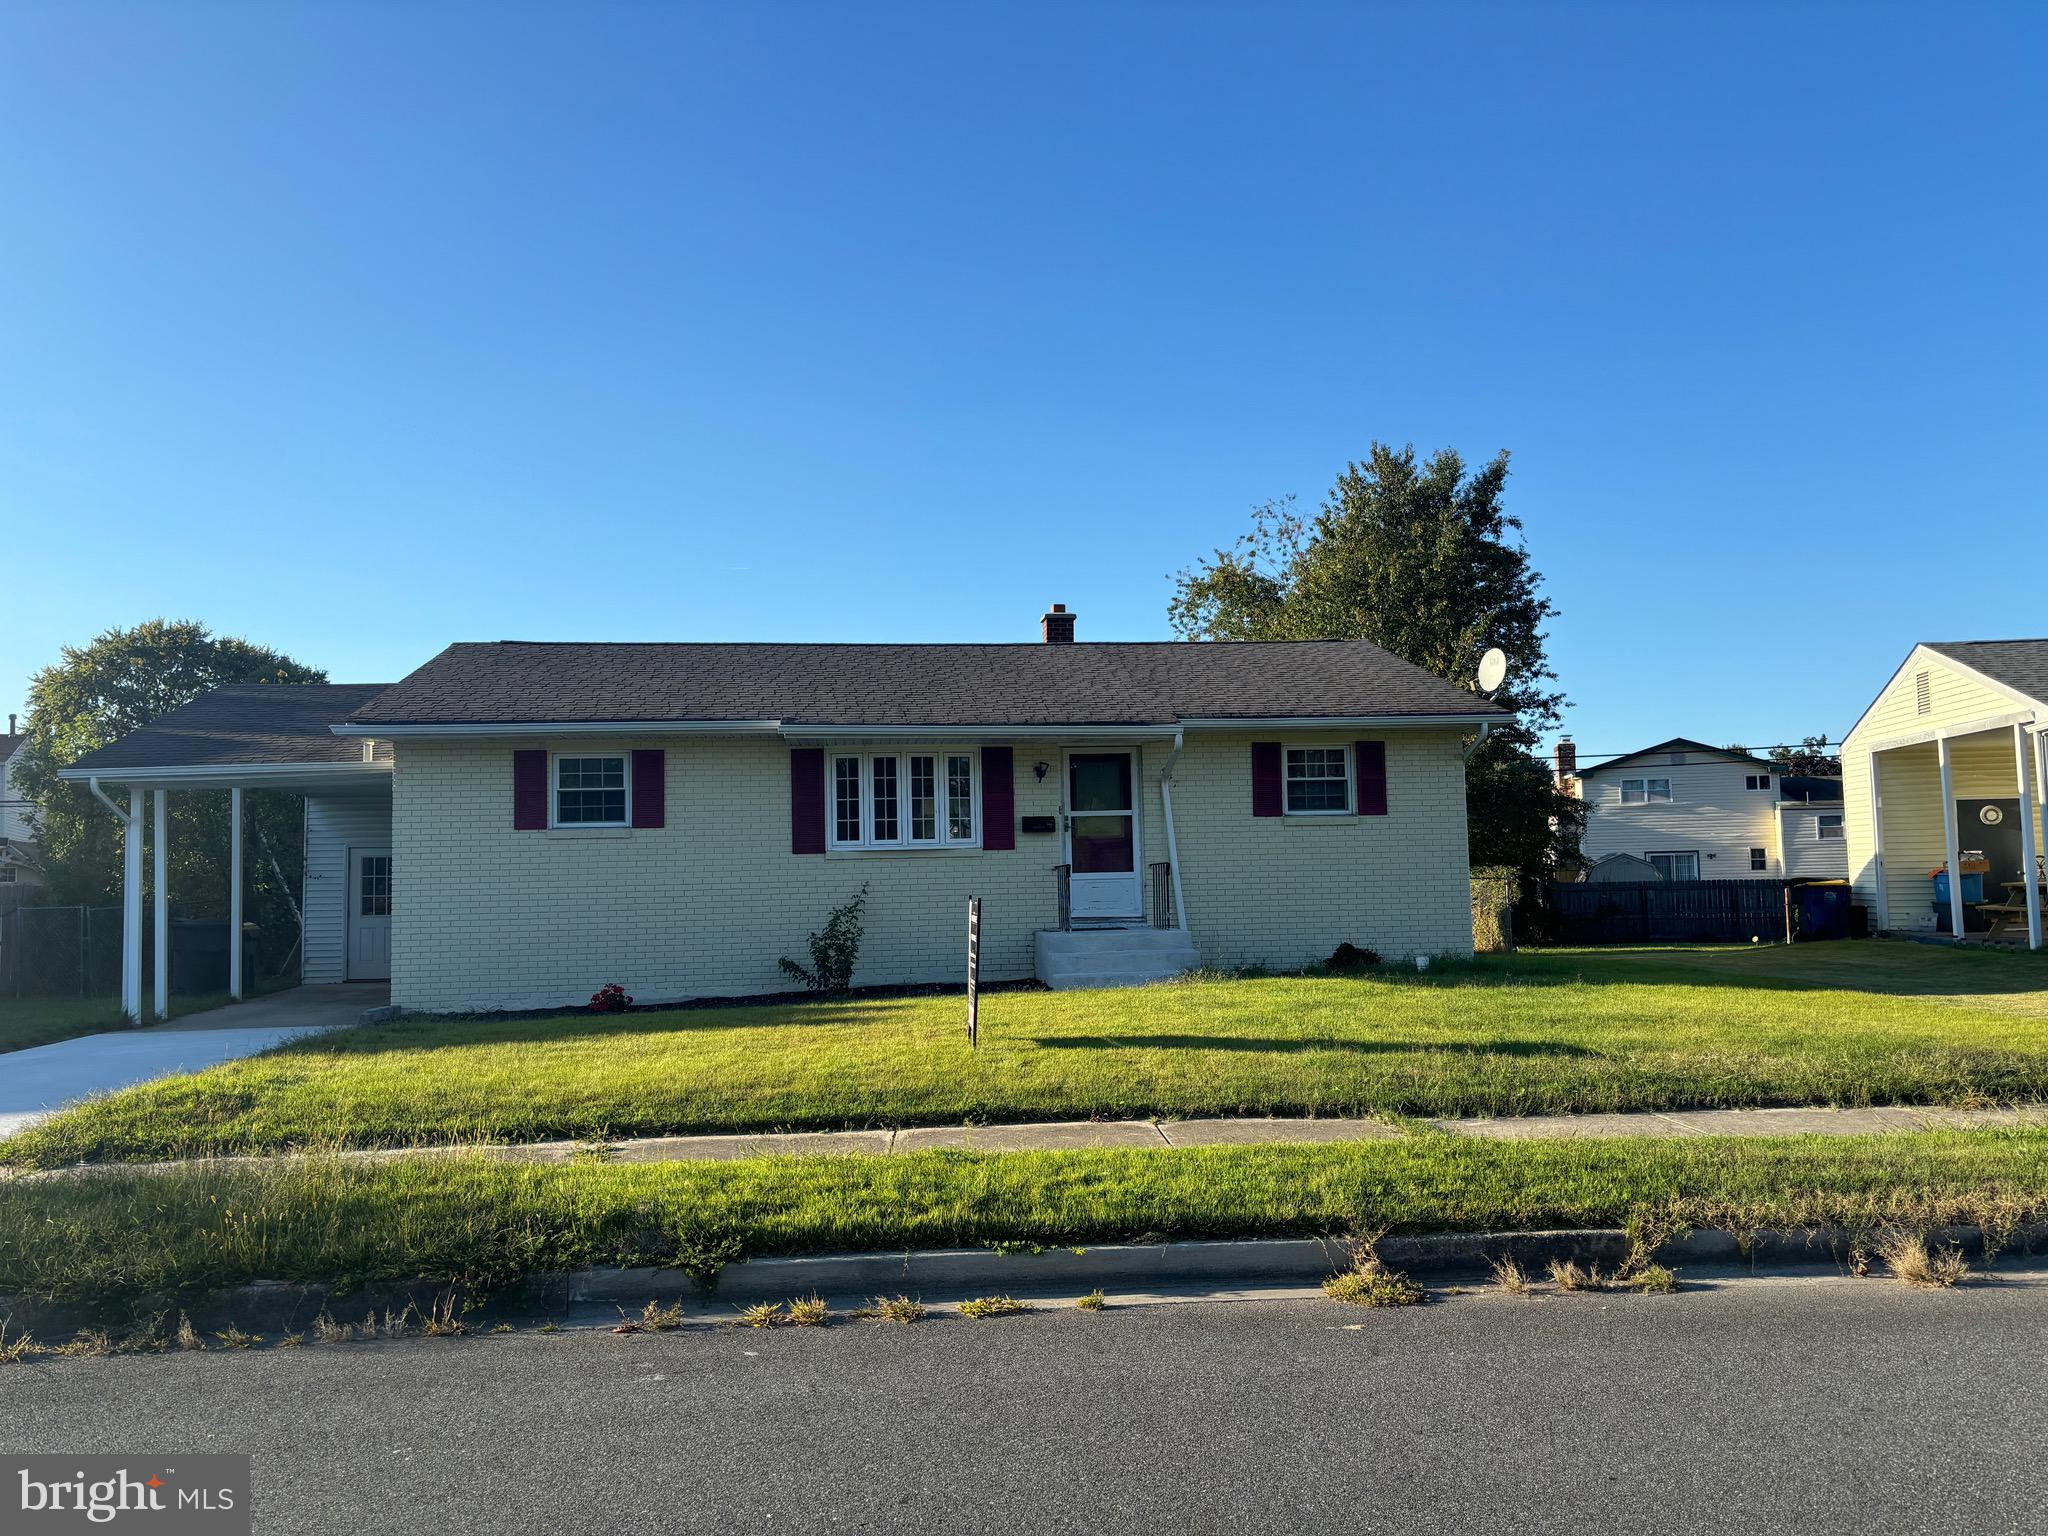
(973,973)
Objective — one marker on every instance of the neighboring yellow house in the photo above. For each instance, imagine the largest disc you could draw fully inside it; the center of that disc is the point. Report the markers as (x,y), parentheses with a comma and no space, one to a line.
(1949,761)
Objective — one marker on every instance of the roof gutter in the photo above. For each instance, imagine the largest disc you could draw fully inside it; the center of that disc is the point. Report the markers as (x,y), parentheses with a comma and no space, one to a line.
(222,772)
(1338,722)
(387,732)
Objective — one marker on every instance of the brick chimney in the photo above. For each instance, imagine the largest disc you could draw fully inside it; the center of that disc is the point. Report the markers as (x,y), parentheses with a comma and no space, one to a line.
(1057,626)
(1567,761)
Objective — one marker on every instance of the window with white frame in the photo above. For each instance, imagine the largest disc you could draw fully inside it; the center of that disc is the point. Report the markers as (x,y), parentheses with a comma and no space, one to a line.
(590,790)
(1826,828)
(1645,791)
(1318,781)
(1676,866)
(1758,860)
(893,800)
(1756,781)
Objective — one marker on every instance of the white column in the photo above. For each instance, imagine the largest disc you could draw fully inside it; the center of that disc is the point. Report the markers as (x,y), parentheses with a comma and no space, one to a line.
(1884,900)
(235,892)
(131,910)
(1948,838)
(2019,747)
(161,908)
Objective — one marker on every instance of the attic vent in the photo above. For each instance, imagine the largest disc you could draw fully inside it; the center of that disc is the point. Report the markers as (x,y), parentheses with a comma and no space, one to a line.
(1923,693)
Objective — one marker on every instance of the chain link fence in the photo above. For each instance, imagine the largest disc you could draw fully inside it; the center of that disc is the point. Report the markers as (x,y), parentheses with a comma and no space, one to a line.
(61,952)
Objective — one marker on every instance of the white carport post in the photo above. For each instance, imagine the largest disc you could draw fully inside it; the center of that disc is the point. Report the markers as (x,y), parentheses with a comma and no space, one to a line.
(2027,821)
(1949,841)
(160,910)
(131,910)
(235,893)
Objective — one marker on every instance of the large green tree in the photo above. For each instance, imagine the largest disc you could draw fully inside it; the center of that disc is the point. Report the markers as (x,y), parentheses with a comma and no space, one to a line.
(1421,558)
(98,693)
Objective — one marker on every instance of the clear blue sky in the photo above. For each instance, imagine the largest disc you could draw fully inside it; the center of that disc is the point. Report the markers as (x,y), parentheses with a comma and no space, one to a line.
(356,329)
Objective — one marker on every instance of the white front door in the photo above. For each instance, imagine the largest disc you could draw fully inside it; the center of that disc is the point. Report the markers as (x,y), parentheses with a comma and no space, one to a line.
(1102,834)
(369,914)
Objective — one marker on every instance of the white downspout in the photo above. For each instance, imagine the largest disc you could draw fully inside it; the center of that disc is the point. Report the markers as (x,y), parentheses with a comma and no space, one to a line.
(1180,902)
(1485,730)
(131,896)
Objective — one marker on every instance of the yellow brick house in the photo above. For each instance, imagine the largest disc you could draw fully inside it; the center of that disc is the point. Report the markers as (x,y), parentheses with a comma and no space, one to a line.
(1947,769)
(516,823)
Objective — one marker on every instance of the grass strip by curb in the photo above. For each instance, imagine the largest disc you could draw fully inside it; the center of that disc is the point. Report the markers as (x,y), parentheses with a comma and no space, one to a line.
(486,1225)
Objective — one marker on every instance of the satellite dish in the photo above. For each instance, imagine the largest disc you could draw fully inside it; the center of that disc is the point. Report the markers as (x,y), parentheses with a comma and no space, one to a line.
(1493,669)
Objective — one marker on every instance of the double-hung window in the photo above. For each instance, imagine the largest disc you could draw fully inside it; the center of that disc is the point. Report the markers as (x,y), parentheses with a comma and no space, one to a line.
(1676,866)
(1756,781)
(903,800)
(1318,781)
(1828,828)
(590,790)
(1645,791)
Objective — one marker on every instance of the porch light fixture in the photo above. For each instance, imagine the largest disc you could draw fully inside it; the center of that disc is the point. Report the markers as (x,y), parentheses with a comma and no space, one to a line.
(1040,770)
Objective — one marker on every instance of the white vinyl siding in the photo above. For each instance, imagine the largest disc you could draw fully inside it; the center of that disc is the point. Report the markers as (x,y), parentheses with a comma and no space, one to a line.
(1700,802)
(334,824)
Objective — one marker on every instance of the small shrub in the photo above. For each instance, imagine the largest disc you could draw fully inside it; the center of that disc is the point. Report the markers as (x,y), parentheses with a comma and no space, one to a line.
(1511,1277)
(1094,1301)
(766,1314)
(809,1312)
(835,949)
(990,1306)
(1369,1283)
(1907,1256)
(655,1318)
(899,1309)
(1348,957)
(610,998)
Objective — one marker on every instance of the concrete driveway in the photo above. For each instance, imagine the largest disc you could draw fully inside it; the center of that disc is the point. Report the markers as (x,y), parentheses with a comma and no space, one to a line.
(36,1083)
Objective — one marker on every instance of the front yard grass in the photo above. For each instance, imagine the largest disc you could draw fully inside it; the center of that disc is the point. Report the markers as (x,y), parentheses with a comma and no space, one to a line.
(116,1236)
(1537,1033)
(27,1021)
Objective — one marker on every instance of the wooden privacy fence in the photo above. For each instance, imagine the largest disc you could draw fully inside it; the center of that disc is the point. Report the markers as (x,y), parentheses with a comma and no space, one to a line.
(1667,911)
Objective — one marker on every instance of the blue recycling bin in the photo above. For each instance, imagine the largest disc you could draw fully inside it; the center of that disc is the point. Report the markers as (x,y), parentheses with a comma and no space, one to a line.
(1973,888)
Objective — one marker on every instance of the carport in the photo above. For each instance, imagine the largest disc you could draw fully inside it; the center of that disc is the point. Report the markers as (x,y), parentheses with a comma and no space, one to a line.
(256,736)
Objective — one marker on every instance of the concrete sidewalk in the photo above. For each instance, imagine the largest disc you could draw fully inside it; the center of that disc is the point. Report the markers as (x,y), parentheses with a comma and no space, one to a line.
(36,1083)
(1072,1135)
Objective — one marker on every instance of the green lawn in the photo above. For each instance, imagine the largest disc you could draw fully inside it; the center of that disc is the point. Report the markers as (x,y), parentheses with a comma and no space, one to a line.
(117,1235)
(1536,1033)
(27,1021)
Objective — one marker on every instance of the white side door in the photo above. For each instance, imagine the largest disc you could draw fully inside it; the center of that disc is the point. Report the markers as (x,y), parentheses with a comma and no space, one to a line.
(1102,834)
(369,914)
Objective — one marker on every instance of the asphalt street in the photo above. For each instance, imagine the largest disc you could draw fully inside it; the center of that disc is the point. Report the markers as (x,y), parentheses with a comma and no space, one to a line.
(1803,1404)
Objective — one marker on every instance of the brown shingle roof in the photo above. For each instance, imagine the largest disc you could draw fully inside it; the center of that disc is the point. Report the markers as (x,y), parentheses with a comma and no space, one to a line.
(243,723)
(2021,664)
(1096,682)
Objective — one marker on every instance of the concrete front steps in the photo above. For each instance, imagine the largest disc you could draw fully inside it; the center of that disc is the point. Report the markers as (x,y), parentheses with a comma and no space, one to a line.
(1111,957)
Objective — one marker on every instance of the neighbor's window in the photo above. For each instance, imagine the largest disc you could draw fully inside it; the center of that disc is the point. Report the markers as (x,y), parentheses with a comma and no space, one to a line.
(1318,781)
(590,791)
(6,874)
(1644,791)
(891,800)
(1676,866)
(1756,781)
(1758,859)
(1827,827)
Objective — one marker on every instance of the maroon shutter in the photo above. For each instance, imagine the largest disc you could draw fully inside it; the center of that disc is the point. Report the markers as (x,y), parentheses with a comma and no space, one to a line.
(650,786)
(1266,778)
(998,799)
(1372,778)
(806,799)
(529,791)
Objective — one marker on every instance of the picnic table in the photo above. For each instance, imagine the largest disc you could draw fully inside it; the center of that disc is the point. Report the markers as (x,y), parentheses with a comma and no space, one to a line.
(2012,911)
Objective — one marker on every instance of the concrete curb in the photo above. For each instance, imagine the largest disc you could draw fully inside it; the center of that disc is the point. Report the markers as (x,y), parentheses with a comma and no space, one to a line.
(272,1306)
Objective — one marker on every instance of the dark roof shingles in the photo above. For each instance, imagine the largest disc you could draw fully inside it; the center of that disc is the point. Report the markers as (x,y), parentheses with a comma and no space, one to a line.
(2021,664)
(1096,682)
(244,723)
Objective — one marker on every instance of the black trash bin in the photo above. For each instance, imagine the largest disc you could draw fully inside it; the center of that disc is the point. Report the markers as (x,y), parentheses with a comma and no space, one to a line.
(199,955)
